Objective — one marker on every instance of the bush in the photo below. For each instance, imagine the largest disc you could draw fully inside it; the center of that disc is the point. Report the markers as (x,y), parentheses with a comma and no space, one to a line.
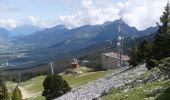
(165,66)
(54,86)
(150,63)
(17,94)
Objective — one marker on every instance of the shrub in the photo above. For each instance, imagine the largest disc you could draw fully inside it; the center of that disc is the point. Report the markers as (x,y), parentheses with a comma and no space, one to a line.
(3,91)
(17,94)
(54,86)
(165,66)
(150,63)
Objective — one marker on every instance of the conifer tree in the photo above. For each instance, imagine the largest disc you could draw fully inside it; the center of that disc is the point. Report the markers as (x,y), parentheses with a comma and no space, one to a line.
(54,86)
(134,60)
(3,91)
(161,48)
(145,51)
(17,94)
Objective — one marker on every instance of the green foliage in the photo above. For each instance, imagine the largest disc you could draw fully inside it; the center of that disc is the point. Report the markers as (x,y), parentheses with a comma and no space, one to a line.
(3,91)
(144,54)
(165,66)
(165,95)
(161,46)
(150,63)
(134,58)
(17,94)
(145,50)
(54,86)
(137,91)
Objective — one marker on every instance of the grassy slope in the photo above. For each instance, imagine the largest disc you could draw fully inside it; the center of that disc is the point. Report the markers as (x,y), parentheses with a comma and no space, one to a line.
(138,92)
(35,85)
(10,86)
(165,95)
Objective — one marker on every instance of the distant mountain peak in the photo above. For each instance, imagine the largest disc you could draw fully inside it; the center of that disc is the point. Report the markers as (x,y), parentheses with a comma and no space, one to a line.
(25,29)
(60,27)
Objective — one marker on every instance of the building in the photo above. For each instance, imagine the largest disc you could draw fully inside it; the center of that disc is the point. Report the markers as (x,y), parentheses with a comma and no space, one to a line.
(109,60)
(75,65)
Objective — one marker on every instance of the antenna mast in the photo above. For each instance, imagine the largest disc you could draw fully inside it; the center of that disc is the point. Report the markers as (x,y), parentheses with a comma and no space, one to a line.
(120,44)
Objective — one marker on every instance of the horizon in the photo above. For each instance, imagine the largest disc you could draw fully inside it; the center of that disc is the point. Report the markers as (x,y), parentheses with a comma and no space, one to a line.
(72,14)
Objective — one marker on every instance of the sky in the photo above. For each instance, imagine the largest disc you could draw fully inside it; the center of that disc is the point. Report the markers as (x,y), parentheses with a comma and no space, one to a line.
(74,13)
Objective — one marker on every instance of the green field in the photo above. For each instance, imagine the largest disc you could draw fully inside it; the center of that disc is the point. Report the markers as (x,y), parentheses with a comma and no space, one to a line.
(35,85)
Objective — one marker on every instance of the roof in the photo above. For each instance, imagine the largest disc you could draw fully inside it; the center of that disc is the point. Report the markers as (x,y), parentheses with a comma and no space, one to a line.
(114,55)
(74,61)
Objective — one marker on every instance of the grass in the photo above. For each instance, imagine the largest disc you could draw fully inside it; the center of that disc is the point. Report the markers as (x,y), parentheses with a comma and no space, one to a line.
(10,86)
(35,85)
(165,95)
(138,92)
(74,80)
(37,98)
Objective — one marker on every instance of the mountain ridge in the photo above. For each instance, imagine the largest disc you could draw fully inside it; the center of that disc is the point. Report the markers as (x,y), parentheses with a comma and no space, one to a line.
(86,35)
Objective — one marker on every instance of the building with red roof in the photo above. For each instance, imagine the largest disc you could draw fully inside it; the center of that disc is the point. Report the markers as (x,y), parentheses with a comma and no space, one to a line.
(109,60)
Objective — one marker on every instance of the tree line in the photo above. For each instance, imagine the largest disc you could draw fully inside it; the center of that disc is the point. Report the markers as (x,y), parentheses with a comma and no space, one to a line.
(156,54)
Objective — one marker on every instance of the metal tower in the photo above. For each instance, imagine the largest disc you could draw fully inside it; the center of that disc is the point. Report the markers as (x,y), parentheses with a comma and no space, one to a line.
(120,44)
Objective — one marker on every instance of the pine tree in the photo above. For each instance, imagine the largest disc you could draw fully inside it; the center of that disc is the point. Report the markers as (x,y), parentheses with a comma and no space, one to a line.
(54,86)
(3,91)
(134,59)
(145,51)
(17,94)
(162,39)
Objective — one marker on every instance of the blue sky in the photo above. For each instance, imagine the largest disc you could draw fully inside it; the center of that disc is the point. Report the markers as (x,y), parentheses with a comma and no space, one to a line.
(74,13)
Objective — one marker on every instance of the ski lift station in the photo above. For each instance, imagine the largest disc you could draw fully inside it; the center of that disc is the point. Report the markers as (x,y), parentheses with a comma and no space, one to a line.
(109,61)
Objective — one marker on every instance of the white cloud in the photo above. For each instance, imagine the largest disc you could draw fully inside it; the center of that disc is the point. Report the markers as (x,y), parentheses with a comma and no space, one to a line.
(38,22)
(90,13)
(141,14)
(8,23)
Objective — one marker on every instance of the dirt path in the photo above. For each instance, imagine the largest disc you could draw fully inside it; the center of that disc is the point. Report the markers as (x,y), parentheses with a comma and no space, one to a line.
(26,94)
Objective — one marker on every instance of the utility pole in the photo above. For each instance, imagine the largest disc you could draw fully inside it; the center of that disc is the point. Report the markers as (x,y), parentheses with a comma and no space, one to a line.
(52,65)
(19,79)
(120,44)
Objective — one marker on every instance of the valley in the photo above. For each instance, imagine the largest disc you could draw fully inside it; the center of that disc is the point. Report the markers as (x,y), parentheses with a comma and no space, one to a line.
(55,43)
(84,50)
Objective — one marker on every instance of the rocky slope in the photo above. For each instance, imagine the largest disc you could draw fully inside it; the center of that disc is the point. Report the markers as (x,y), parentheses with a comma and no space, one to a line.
(97,88)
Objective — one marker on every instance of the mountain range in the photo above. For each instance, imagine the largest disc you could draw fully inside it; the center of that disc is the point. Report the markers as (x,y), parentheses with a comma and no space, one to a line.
(41,45)
(61,37)
(24,30)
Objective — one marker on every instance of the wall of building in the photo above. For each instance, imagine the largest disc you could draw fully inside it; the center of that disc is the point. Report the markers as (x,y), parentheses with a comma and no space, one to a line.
(110,63)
